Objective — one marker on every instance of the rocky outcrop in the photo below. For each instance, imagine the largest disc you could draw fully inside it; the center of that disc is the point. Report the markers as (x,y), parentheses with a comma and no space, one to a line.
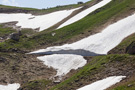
(131,48)
(15,36)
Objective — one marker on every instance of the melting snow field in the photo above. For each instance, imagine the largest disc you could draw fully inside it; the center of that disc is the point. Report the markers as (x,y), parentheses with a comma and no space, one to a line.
(103,84)
(10,87)
(63,64)
(84,13)
(99,43)
(30,21)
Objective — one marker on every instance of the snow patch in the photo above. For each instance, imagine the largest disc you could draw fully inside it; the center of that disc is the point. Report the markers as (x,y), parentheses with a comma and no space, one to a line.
(42,21)
(10,86)
(84,13)
(103,84)
(99,43)
(63,63)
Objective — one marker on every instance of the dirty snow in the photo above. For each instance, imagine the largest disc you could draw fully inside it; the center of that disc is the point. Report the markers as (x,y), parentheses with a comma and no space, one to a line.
(103,84)
(63,63)
(99,43)
(10,87)
(84,13)
(42,21)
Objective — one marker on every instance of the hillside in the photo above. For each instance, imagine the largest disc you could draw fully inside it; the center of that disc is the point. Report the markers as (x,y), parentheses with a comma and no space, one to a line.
(73,56)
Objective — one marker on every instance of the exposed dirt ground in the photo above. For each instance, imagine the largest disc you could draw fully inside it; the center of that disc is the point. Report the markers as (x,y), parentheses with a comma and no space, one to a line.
(20,68)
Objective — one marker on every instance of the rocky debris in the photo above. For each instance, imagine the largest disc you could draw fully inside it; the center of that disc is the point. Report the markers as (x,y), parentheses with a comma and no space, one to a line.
(2,59)
(16,50)
(131,48)
(10,24)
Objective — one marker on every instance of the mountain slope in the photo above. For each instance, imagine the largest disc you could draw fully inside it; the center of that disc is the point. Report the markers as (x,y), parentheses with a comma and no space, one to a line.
(32,74)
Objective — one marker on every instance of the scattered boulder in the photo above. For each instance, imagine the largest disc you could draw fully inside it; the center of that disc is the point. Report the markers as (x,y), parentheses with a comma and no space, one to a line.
(15,36)
(131,48)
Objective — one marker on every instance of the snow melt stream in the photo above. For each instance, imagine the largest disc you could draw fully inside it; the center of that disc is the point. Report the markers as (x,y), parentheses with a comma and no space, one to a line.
(84,13)
(103,84)
(31,21)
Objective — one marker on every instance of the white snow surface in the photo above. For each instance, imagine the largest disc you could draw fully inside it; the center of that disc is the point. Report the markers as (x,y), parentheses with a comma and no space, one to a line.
(63,63)
(99,43)
(103,84)
(31,21)
(14,86)
(84,13)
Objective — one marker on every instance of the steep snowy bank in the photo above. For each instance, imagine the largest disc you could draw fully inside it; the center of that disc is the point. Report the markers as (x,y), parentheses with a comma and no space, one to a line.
(99,43)
(103,84)
(63,64)
(84,13)
(10,87)
(30,21)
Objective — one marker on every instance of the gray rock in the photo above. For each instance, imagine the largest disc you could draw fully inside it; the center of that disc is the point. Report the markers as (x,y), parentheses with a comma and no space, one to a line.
(15,36)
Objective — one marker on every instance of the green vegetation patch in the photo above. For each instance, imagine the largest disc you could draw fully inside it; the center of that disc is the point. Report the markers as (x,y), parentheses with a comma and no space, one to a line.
(5,31)
(36,85)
